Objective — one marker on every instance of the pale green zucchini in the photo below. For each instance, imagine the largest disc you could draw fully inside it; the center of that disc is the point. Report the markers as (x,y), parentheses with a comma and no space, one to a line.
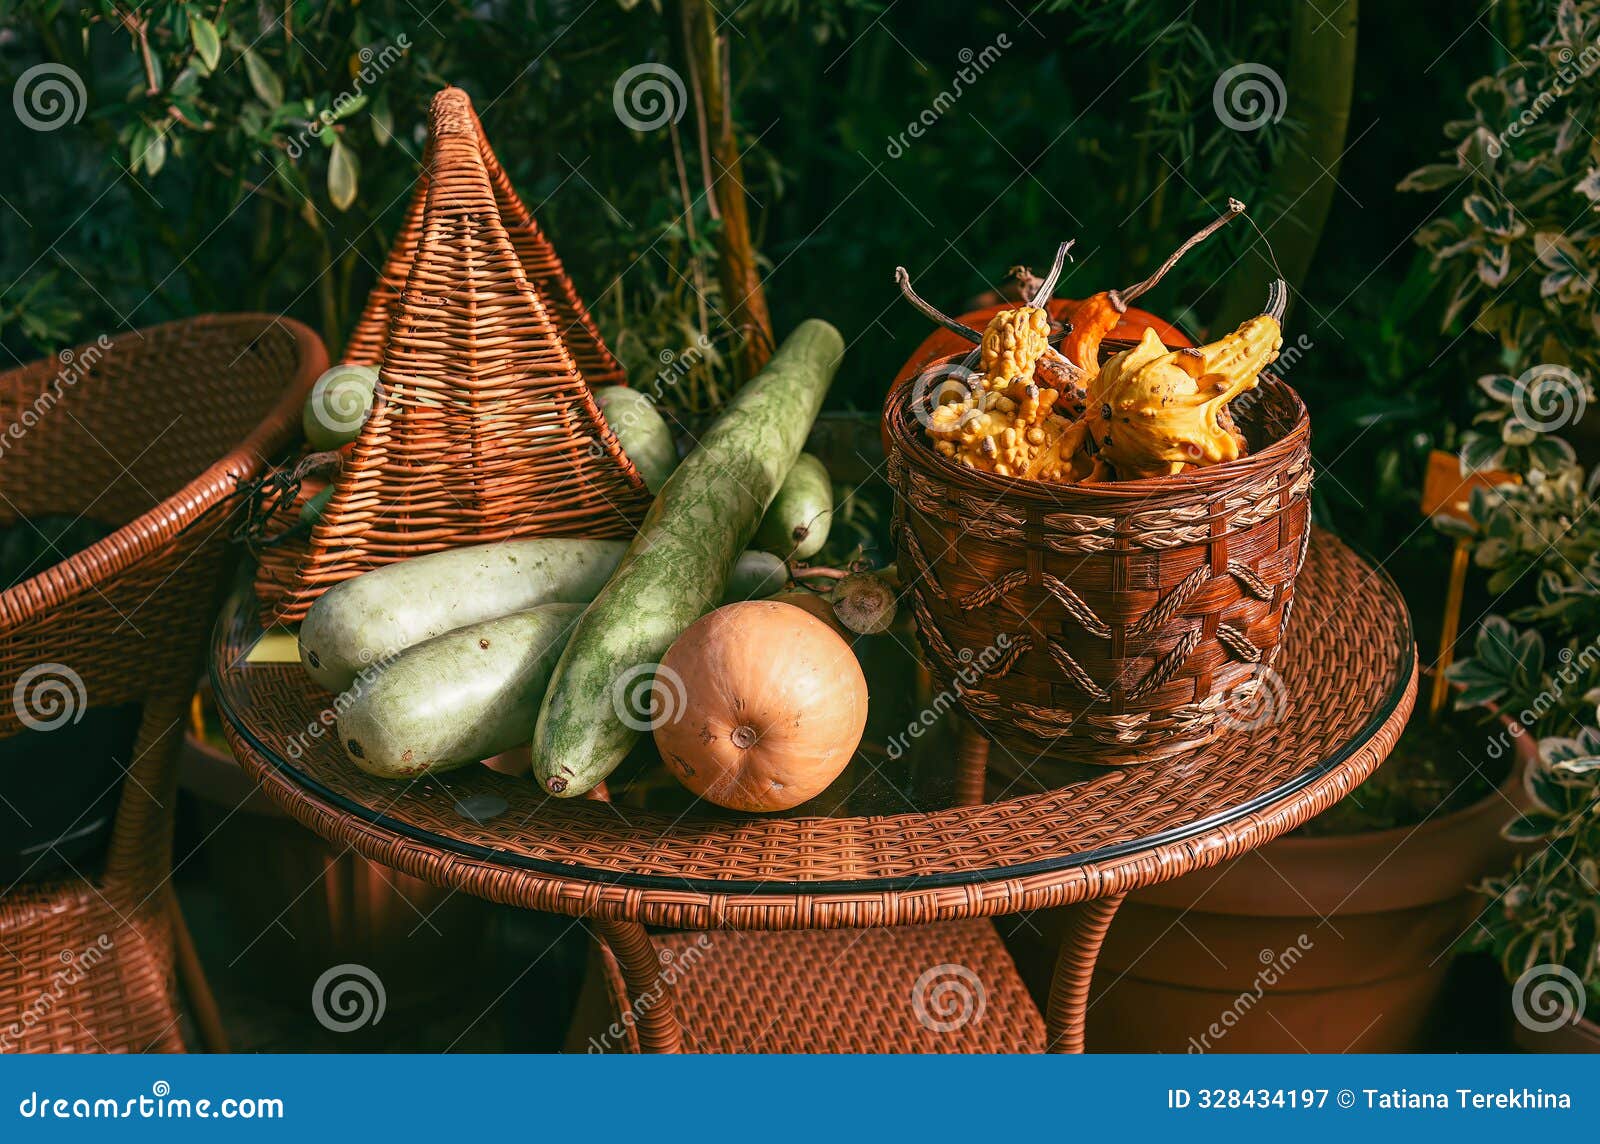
(338,406)
(456,699)
(797,522)
(755,576)
(641,431)
(381,613)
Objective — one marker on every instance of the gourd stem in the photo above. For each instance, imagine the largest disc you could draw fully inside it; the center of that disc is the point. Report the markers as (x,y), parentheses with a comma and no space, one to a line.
(1277,300)
(1048,286)
(938,317)
(1235,209)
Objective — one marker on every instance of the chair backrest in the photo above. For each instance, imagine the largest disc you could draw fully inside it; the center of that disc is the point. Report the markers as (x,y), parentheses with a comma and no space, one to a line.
(150,433)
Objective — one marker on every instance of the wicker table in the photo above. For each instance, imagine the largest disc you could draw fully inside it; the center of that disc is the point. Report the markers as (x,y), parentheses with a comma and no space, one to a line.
(889,844)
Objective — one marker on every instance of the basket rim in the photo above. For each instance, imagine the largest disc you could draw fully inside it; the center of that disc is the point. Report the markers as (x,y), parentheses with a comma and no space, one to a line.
(1213,480)
(57,586)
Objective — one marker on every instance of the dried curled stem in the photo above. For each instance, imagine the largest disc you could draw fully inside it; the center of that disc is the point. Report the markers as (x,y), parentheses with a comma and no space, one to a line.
(1041,295)
(1277,300)
(932,312)
(1235,209)
(1048,286)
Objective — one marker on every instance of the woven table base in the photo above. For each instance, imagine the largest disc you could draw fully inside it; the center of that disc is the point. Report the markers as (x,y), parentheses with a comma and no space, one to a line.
(948,988)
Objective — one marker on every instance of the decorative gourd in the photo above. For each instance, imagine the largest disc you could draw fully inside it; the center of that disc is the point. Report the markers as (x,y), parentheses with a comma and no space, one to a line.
(1013,342)
(818,604)
(1156,412)
(1100,313)
(1050,412)
(865,602)
(774,704)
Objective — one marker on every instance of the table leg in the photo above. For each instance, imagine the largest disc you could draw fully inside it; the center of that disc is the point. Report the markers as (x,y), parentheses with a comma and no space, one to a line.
(192,977)
(654,1016)
(1065,1016)
(972,763)
(656,1021)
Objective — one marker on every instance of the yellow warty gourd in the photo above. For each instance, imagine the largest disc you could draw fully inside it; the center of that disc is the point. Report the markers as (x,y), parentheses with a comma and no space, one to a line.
(1154,412)
(1013,343)
(1004,424)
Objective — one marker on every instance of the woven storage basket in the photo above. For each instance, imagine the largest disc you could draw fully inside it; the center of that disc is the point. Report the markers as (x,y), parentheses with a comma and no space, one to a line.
(484,427)
(1108,623)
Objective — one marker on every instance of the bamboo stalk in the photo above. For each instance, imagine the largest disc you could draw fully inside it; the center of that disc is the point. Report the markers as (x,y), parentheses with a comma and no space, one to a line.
(1320,83)
(744,299)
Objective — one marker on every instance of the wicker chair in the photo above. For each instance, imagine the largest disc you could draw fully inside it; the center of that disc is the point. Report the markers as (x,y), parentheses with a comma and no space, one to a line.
(150,432)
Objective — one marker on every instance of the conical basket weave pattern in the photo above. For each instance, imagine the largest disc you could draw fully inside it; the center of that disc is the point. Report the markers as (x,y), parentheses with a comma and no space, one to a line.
(539,260)
(484,427)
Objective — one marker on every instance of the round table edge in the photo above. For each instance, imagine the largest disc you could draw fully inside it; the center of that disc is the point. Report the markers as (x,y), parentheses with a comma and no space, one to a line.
(695,909)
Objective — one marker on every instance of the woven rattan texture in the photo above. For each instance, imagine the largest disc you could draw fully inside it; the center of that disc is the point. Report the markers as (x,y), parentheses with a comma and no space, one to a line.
(1349,674)
(1113,623)
(546,275)
(150,432)
(949,988)
(484,428)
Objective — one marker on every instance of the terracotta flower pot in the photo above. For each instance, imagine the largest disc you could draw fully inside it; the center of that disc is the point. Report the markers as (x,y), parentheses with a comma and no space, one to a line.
(1321,944)
(1581,1037)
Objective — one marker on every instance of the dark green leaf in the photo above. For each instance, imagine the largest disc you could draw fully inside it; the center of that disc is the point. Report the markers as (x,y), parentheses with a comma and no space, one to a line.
(1433,177)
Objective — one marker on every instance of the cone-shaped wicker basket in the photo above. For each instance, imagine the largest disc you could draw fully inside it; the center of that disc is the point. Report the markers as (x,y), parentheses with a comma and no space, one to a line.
(483,427)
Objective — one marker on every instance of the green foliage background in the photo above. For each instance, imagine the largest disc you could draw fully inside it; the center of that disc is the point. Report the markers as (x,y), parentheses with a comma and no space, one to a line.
(200,179)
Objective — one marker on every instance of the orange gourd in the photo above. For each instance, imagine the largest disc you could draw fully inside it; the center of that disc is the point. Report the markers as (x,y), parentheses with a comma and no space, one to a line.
(774,704)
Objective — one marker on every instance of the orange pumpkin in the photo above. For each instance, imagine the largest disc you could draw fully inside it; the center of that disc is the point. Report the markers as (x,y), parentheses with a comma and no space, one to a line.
(774,704)
(817,604)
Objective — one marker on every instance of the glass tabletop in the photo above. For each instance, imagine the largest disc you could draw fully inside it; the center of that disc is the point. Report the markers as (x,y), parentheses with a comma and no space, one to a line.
(891,817)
